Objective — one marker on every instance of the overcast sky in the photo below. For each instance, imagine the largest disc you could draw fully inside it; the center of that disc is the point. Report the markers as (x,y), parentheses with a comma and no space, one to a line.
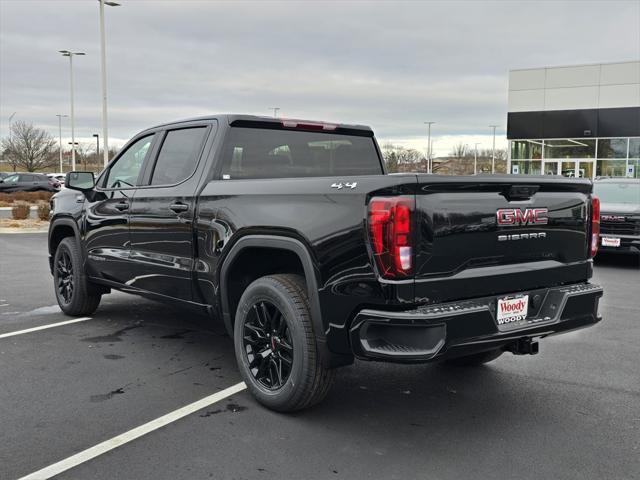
(391,65)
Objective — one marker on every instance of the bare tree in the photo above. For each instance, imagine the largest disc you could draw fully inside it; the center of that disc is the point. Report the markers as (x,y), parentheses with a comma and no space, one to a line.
(401,159)
(29,147)
(484,160)
(390,157)
(459,151)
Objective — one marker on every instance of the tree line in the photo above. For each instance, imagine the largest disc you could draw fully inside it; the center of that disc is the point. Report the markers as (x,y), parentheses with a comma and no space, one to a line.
(459,161)
(29,148)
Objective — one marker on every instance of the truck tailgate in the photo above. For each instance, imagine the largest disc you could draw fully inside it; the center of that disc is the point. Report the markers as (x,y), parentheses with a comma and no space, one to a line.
(490,235)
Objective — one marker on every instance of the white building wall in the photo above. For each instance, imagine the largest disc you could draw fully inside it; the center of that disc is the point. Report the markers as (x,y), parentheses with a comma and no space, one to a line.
(610,85)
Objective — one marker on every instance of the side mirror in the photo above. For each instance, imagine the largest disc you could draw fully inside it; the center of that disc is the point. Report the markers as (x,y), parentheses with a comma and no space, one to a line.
(82,181)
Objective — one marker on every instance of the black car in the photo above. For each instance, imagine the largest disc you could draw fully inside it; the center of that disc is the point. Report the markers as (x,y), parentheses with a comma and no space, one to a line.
(28,182)
(619,214)
(292,235)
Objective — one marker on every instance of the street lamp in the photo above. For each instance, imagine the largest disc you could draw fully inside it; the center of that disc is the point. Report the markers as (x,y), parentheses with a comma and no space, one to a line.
(429,166)
(73,146)
(11,118)
(493,150)
(275,111)
(97,144)
(60,136)
(70,54)
(475,160)
(103,67)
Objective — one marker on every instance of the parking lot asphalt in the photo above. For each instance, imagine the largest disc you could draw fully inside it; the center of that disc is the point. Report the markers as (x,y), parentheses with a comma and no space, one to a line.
(571,412)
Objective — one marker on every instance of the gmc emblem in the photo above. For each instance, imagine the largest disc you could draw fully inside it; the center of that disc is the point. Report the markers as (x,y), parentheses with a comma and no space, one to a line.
(612,218)
(513,217)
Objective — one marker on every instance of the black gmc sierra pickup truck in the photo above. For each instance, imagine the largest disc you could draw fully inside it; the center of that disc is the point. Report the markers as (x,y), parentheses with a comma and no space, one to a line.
(292,234)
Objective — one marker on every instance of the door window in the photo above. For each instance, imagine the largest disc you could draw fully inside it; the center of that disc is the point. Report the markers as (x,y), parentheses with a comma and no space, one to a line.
(125,172)
(178,156)
(12,179)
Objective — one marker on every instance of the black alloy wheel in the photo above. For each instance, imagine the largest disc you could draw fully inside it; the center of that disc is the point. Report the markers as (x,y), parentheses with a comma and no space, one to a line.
(275,344)
(74,293)
(64,277)
(268,345)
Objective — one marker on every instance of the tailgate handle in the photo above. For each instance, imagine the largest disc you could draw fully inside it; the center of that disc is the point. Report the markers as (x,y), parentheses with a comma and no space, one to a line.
(520,192)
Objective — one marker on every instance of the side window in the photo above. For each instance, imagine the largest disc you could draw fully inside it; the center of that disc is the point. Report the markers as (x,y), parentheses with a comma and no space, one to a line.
(12,179)
(27,178)
(178,156)
(124,173)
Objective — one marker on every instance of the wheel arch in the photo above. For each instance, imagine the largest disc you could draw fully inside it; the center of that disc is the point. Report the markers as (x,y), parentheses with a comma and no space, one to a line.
(274,243)
(61,227)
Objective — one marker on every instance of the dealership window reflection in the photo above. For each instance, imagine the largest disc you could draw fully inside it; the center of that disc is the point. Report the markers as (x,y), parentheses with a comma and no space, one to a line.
(612,148)
(634,148)
(570,148)
(526,149)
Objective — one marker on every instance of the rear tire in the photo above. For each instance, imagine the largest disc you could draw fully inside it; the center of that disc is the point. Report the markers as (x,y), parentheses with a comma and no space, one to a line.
(75,295)
(275,345)
(475,359)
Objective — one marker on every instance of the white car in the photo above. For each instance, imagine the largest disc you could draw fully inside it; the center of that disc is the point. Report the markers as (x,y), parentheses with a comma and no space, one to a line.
(57,176)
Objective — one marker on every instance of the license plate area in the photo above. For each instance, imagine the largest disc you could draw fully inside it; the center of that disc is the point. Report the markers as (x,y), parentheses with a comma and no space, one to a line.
(610,242)
(511,312)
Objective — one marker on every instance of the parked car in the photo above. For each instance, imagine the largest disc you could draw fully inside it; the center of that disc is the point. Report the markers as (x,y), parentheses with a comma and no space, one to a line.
(294,237)
(28,182)
(57,176)
(619,214)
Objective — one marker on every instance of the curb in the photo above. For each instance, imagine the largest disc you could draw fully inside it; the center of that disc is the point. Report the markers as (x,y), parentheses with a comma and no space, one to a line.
(13,230)
(8,209)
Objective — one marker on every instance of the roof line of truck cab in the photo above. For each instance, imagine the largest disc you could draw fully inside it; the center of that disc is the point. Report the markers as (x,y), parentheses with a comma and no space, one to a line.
(257,121)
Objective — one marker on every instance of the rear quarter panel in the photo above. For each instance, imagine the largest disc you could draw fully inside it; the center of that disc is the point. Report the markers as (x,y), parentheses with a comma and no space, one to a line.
(331,222)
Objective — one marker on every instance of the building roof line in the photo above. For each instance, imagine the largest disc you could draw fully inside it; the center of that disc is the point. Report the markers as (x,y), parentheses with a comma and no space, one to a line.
(575,65)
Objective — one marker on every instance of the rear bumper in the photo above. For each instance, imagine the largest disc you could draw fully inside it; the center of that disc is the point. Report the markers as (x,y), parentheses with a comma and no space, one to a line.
(449,330)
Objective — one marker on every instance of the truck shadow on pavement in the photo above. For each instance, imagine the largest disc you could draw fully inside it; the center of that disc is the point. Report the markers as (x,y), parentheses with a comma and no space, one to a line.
(629,261)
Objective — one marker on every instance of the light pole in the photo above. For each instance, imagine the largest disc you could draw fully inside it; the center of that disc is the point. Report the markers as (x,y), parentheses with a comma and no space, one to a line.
(60,136)
(73,146)
(97,144)
(67,53)
(275,111)
(475,160)
(429,166)
(103,67)
(11,118)
(493,150)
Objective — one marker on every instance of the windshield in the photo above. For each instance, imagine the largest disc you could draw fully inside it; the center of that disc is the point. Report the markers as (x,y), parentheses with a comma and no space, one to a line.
(622,192)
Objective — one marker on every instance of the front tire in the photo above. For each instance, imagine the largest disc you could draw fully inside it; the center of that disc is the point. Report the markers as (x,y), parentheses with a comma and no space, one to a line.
(275,345)
(75,295)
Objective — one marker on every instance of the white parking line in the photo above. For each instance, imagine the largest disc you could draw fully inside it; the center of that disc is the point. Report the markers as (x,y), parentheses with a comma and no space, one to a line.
(44,327)
(115,442)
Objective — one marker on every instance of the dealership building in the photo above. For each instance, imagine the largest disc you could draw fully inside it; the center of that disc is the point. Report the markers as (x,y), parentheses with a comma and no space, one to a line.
(581,120)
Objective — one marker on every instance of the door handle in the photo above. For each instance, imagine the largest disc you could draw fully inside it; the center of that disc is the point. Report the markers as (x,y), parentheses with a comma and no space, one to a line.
(122,206)
(179,207)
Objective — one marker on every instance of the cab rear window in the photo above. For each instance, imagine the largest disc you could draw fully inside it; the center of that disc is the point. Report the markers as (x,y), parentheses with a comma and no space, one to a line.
(272,153)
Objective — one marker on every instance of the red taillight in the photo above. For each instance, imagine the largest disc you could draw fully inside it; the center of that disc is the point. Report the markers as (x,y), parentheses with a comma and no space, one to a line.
(595,226)
(390,230)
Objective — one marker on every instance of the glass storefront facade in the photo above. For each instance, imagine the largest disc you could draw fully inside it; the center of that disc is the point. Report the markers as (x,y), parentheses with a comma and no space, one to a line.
(576,157)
